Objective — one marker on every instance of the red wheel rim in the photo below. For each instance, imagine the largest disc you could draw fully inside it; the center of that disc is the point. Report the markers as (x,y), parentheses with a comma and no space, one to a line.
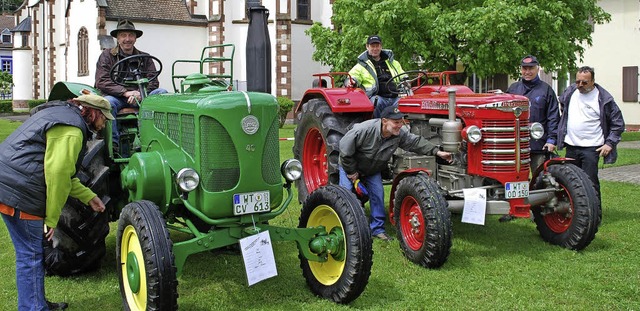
(560,222)
(314,160)
(412,223)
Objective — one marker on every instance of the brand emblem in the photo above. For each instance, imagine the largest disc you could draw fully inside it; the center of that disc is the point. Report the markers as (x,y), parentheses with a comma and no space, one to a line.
(517,111)
(250,124)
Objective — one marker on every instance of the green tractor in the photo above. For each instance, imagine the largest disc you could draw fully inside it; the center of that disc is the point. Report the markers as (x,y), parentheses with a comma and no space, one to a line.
(203,161)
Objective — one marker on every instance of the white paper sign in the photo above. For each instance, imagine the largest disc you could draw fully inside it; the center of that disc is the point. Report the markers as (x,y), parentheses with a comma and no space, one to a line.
(257,253)
(475,206)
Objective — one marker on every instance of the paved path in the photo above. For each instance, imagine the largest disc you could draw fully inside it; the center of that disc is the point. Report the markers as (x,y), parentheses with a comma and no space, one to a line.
(627,173)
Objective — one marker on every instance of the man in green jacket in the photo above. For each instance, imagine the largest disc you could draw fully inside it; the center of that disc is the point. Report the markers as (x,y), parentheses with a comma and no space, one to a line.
(373,72)
(38,163)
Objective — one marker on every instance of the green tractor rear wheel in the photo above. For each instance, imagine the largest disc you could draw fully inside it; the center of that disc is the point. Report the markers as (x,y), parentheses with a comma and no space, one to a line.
(146,265)
(345,274)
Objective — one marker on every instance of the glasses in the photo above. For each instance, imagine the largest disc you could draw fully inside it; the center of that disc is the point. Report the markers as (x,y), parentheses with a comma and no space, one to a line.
(582,82)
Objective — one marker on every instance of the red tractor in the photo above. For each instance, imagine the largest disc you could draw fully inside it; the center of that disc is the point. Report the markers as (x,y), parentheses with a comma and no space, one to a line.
(488,134)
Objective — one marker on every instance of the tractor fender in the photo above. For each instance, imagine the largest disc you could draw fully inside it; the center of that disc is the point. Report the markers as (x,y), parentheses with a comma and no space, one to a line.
(544,167)
(341,100)
(147,177)
(396,181)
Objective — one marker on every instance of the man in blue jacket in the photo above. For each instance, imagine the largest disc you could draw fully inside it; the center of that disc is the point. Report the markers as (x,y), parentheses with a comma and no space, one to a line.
(543,108)
(591,124)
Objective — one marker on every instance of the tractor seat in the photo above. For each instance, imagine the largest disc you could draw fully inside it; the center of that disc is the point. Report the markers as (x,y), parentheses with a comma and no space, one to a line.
(128,110)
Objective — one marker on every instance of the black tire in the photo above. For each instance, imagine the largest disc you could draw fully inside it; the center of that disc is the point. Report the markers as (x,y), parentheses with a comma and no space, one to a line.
(78,243)
(316,144)
(423,221)
(145,259)
(577,228)
(340,280)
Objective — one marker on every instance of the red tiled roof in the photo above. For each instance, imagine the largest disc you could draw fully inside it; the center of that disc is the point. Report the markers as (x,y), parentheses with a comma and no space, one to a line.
(161,11)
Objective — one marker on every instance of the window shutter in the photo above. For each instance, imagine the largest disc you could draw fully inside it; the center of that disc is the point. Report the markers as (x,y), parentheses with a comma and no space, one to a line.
(630,84)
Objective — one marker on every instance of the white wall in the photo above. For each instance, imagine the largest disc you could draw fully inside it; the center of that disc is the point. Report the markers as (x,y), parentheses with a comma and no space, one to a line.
(616,45)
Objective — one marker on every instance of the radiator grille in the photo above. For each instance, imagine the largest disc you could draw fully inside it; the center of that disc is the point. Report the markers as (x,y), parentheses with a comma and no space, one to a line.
(500,150)
(220,169)
(188,134)
(271,155)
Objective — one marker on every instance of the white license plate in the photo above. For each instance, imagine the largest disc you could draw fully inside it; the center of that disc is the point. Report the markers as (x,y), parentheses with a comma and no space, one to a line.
(251,202)
(514,190)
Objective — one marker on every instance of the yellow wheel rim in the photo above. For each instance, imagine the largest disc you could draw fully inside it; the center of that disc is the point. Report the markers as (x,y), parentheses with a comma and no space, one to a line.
(330,271)
(133,272)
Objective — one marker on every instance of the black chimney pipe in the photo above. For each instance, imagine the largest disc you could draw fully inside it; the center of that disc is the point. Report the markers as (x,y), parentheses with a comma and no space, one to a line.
(258,51)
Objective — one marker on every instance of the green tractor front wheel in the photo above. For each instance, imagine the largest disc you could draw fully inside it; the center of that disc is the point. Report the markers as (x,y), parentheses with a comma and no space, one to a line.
(146,265)
(345,273)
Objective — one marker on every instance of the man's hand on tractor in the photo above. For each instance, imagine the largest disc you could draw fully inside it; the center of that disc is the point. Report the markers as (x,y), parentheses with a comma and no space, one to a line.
(549,147)
(97,205)
(445,155)
(353,177)
(133,97)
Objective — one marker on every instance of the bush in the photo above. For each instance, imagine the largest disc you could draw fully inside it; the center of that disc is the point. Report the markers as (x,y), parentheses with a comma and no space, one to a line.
(35,102)
(6,106)
(286,105)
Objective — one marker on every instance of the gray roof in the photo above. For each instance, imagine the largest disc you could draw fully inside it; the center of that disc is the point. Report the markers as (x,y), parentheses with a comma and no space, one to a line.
(24,26)
(159,11)
(7,21)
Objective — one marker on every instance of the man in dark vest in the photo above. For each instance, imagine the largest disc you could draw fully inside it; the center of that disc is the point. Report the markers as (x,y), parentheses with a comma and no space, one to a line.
(38,163)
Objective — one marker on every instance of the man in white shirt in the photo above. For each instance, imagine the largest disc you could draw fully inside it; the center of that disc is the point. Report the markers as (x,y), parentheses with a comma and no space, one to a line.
(591,124)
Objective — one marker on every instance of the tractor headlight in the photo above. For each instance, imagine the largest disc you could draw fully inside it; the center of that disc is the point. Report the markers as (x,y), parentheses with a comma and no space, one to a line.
(472,134)
(187,179)
(291,169)
(536,130)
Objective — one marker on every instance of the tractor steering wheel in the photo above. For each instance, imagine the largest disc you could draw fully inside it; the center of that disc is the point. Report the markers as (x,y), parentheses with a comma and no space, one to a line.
(130,70)
(405,83)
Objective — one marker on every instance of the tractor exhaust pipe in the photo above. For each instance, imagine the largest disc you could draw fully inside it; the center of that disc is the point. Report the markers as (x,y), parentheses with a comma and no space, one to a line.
(258,51)
(452,128)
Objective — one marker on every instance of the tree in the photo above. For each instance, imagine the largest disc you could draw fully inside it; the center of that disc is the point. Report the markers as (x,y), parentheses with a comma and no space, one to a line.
(9,6)
(487,36)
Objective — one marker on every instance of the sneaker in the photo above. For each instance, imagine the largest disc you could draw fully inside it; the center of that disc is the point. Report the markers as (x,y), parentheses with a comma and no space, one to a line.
(383,236)
(57,305)
(506,218)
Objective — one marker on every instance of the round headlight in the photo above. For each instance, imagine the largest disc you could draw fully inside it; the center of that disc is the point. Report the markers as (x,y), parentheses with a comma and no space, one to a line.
(536,130)
(291,170)
(187,179)
(472,134)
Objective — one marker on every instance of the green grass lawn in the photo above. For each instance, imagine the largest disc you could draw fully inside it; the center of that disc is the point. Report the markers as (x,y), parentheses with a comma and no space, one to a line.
(498,266)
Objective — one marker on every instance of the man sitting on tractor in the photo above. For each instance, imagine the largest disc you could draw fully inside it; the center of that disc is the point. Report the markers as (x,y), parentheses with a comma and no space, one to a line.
(373,71)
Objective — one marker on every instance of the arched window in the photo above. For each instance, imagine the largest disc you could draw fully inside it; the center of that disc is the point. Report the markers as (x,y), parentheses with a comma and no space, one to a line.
(83,52)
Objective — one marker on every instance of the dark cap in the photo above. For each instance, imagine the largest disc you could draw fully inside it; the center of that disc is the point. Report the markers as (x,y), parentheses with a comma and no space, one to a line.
(529,60)
(126,25)
(393,113)
(374,39)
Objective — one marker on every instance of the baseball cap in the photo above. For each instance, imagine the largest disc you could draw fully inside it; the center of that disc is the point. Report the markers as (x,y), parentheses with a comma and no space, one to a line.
(374,39)
(97,102)
(393,113)
(529,60)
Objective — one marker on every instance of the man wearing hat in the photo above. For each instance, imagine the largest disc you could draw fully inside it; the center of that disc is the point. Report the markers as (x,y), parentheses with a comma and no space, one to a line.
(365,151)
(543,108)
(38,163)
(119,96)
(374,69)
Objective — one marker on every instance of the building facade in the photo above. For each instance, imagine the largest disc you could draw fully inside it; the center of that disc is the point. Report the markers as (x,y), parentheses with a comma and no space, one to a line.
(63,39)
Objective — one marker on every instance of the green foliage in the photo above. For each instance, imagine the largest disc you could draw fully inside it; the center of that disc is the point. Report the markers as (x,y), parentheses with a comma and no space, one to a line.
(286,105)
(6,106)
(498,266)
(486,36)
(6,82)
(35,102)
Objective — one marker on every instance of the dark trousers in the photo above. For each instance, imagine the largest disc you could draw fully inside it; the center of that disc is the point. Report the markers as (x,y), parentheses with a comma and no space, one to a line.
(586,158)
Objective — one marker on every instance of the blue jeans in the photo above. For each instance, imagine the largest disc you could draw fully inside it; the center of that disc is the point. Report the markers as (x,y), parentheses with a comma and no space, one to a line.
(374,186)
(119,102)
(382,102)
(587,159)
(27,238)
